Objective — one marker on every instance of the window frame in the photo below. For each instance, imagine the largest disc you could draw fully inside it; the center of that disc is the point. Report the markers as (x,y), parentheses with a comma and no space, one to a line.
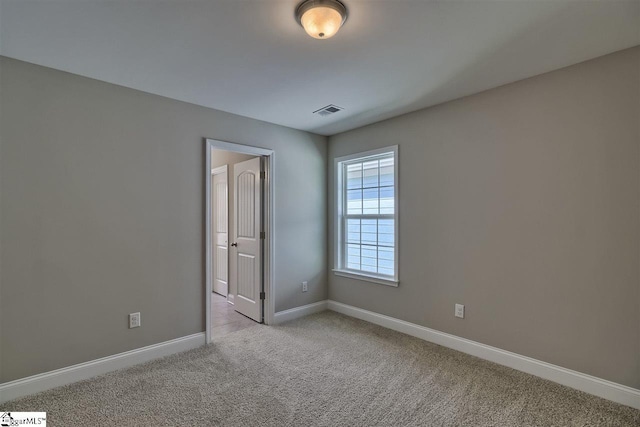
(340,217)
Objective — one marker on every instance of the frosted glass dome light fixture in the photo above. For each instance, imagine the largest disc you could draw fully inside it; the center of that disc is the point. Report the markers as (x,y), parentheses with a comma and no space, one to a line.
(321,19)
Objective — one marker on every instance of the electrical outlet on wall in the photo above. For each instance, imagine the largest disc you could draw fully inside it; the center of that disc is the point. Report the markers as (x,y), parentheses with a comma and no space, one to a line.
(134,320)
(459,312)
(305,286)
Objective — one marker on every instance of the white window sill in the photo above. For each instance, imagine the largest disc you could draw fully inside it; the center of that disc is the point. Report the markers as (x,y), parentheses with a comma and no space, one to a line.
(366,277)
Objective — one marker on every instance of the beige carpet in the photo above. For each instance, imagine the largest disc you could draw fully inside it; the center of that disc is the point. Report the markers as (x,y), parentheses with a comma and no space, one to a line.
(323,370)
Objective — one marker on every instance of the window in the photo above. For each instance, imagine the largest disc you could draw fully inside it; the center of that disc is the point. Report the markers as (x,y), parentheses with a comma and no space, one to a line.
(366,216)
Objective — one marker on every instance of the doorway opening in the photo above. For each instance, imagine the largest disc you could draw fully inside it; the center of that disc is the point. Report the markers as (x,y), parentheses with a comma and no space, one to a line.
(239,240)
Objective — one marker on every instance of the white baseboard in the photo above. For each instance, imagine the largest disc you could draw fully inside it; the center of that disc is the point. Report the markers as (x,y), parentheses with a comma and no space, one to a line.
(577,380)
(82,371)
(294,313)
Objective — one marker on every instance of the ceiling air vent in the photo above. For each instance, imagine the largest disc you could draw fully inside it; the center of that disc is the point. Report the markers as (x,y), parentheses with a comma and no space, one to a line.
(328,110)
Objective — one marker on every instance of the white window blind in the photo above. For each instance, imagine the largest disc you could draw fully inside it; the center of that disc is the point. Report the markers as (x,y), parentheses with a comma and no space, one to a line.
(367,215)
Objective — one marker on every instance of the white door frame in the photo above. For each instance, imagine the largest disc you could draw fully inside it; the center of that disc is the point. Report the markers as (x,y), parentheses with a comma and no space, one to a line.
(268,224)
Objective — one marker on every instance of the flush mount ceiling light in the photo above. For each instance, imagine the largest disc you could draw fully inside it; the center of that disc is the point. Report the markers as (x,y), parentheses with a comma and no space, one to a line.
(321,19)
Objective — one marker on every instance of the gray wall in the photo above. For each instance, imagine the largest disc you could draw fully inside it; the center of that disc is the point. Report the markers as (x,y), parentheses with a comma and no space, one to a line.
(229,158)
(103,215)
(522,203)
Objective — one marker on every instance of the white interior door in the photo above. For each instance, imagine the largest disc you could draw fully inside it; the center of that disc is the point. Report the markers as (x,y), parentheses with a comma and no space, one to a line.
(247,244)
(220,232)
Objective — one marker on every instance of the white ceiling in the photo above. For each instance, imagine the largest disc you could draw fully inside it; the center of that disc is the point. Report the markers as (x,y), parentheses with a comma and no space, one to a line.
(251,58)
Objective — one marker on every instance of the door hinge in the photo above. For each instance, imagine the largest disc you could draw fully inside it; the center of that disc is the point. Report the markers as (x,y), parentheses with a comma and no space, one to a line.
(262,295)
(263,235)
(263,175)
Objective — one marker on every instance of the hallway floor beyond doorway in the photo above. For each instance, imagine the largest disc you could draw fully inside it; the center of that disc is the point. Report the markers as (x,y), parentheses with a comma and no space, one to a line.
(224,319)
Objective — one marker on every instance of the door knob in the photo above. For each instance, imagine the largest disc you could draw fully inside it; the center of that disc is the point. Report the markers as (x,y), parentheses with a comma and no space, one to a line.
(234,244)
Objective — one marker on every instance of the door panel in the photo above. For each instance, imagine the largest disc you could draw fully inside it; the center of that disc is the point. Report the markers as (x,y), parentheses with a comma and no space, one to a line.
(247,250)
(246,276)
(220,234)
(246,212)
